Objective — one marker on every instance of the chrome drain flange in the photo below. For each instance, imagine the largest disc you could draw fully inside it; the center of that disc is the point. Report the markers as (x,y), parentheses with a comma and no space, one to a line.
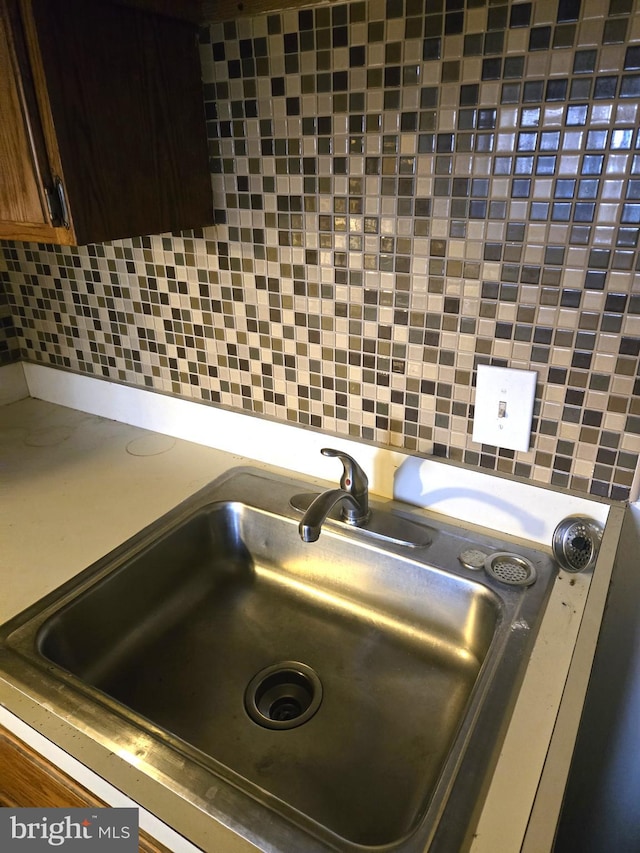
(283,696)
(576,542)
(510,568)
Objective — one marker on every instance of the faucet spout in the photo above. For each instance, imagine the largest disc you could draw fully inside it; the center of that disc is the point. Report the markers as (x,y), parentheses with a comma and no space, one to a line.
(316,515)
(353,494)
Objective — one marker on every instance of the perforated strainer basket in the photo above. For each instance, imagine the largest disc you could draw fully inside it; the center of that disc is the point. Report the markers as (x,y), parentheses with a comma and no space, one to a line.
(510,568)
(576,541)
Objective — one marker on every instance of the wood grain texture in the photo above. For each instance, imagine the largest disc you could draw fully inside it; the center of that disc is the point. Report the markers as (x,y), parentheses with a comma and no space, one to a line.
(33,233)
(107,97)
(21,198)
(126,103)
(186,10)
(27,779)
(226,10)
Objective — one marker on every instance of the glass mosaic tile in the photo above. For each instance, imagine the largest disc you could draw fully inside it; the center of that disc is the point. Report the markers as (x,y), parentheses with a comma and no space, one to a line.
(403,191)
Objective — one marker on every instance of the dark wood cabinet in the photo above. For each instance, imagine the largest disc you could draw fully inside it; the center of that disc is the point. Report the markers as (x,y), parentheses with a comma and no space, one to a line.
(28,780)
(103,130)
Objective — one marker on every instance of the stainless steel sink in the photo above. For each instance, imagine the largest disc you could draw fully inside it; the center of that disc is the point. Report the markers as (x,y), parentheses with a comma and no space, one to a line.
(344,694)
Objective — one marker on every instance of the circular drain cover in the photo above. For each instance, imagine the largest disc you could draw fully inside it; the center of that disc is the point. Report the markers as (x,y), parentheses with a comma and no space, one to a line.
(473,558)
(576,542)
(283,696)
(510,568)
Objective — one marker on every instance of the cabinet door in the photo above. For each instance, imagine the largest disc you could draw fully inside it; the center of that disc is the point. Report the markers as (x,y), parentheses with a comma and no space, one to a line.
(28,780)
(124,97)
(23,167)
(101,100)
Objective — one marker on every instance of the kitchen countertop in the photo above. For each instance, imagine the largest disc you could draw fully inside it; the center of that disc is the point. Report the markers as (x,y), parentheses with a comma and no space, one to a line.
(73,486)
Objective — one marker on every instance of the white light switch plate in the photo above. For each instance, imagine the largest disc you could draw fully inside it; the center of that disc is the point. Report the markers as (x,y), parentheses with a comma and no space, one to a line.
(504,407)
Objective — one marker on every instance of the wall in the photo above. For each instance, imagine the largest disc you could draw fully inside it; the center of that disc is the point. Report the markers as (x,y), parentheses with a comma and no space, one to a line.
(9,345)
(401,196)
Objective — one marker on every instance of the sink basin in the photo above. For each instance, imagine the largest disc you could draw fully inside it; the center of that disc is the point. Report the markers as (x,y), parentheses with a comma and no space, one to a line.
(345,694)
(364,765)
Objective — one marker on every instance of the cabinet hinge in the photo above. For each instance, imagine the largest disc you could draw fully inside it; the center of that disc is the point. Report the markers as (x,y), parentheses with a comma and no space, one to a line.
(57,204)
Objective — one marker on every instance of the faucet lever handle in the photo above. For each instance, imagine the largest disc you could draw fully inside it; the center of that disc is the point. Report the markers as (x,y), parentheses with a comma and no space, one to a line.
(353,479)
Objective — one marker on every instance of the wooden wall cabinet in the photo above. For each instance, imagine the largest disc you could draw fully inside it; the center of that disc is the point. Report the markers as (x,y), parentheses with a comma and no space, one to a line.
(103,130)
(28,780)
(229,10)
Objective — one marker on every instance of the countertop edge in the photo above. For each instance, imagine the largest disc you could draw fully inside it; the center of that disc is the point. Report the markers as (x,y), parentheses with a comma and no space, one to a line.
(27,732)
(548,803)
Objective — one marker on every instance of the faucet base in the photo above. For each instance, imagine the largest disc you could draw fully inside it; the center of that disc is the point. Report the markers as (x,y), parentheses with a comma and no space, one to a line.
(381,523)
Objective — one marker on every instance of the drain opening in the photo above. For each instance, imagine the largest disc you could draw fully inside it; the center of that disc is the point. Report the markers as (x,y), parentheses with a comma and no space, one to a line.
(283,696)
(286,708)
(511,569)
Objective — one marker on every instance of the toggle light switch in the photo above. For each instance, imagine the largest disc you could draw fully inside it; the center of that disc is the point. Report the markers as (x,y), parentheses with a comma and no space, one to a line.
(504,407)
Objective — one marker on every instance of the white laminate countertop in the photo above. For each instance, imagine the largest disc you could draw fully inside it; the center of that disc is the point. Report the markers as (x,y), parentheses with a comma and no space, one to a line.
(73,486)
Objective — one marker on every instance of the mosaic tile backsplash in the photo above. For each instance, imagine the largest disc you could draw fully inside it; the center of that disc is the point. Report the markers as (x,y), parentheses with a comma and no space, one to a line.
(9,345)
(404,189)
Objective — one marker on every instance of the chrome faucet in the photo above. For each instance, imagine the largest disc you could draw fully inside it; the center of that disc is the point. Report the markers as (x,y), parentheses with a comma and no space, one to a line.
(353,494)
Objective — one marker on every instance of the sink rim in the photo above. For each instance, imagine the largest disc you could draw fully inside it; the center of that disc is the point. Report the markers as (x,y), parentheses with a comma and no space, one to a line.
(422,621)
(71,690)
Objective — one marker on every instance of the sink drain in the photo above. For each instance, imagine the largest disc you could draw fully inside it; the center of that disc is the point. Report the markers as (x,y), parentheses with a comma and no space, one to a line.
(283,696)
(510,568)
(576,542)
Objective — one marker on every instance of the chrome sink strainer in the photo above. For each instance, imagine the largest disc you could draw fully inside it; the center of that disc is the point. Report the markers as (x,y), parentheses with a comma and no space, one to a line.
(283,696)
(503,566)
(510,568)
(576,542)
